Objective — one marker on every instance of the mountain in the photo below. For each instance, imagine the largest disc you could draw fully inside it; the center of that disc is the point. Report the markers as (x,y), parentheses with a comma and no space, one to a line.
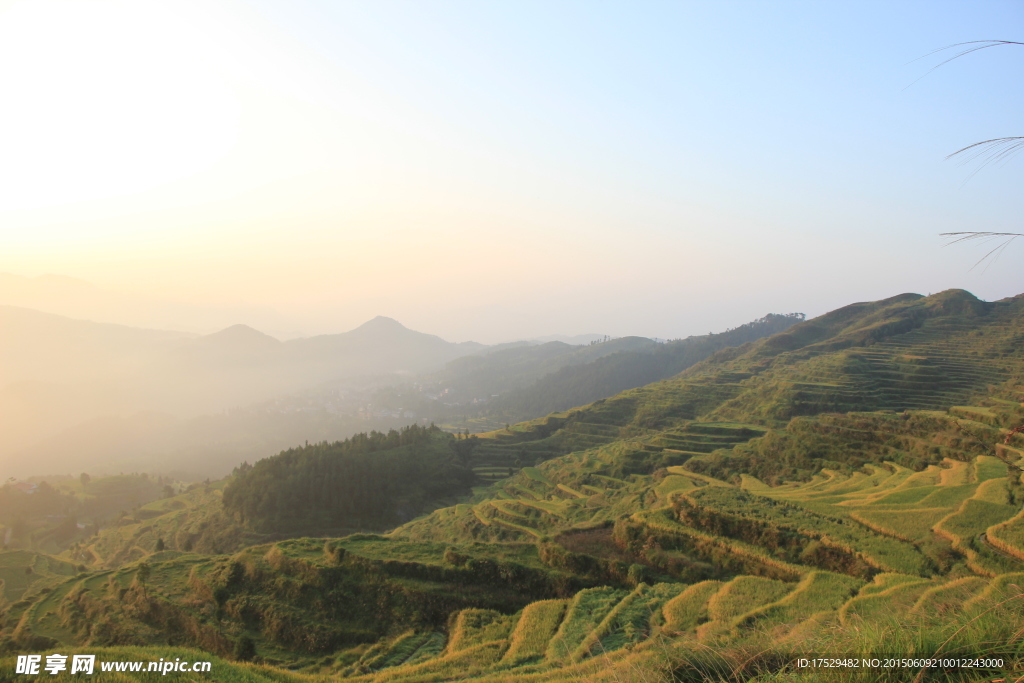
(237,340)
(504,370)
(574,339)
(511,384)
(43,347)
(148,421)
(595,372)
(381,345)
(850,485)
(60,372)
(83,300)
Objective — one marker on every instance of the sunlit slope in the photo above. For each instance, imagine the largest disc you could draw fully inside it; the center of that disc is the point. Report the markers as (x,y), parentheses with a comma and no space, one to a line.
(297,600)
(708,524)
(759,573)
(686,561)
(589,373)
(193,521)
(221,670)
(871,492)
(25,573)
(707,631)
(905,353)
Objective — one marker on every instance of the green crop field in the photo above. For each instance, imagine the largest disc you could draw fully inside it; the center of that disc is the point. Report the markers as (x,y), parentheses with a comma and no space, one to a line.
(583,615)
(534,630)
(842,486)
(690,607)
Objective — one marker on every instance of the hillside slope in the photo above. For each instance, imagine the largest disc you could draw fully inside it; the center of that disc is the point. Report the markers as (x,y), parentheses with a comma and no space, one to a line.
(849,486)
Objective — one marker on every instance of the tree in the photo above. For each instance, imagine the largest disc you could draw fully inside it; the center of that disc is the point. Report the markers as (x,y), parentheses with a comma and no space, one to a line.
(159,544)
(142,574)
(245,649)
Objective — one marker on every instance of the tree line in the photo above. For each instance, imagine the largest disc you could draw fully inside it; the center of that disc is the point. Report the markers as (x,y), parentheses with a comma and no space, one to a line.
(370,481)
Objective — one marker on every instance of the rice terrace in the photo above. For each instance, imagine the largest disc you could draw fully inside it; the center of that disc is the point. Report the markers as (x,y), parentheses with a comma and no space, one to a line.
(517,341)
(850,486)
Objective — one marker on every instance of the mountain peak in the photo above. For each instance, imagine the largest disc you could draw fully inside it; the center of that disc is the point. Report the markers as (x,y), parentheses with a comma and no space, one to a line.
(239,334)
(382,322)
(239,331)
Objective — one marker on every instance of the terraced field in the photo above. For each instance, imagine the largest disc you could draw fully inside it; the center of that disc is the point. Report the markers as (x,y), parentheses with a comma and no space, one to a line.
(23,572)
(847,546)
(848,486)
(959,502)
(605,635)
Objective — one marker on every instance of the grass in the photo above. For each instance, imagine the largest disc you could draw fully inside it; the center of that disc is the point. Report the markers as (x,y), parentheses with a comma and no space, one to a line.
(883,552)
(586,610)
(913,525)
(24,572)
(948,597)
(743,594)
(826,446)
(536,627)
(674,484)
(632,621)
(1008,536)
(993,491)
(736,598)
(886,581)
(476,627)
(690,607)
(754,557)
(989,467)
(388,654)
(886,603)
(973,517)
(817,592)
(957,473)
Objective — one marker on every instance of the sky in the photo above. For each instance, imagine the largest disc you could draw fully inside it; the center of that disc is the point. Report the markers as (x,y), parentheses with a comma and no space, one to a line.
(500,170)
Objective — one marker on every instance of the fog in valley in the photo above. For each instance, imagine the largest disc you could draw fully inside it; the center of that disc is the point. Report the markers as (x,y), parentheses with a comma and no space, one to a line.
(408,340)
(341,221)
(78,395)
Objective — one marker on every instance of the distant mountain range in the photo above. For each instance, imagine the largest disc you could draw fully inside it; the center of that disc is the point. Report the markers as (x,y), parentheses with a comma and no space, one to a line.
(574,339)
(851,481)
(83,300)
(58,372)
(78,395)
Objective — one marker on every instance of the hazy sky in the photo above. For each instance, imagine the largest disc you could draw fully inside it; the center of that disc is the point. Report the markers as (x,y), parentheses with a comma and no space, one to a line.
(495,170)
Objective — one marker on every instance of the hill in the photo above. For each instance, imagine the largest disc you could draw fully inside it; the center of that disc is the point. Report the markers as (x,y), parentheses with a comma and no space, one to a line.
(850,486)
(577,383)
(244,365)
(490,389)
(62,373)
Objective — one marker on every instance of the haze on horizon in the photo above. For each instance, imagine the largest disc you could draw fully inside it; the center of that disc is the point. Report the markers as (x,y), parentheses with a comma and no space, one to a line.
(496,171)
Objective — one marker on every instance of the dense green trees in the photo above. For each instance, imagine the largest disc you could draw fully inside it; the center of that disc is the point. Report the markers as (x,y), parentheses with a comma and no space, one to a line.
(370,481)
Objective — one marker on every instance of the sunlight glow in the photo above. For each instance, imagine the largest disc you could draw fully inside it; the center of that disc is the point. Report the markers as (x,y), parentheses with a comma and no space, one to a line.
(118,97)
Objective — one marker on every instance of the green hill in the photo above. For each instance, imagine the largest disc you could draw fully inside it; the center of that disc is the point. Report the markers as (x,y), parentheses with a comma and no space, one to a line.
(524,383)
(848,487)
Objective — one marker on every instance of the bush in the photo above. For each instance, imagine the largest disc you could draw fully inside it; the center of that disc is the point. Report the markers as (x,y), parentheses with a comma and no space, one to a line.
(245,649)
